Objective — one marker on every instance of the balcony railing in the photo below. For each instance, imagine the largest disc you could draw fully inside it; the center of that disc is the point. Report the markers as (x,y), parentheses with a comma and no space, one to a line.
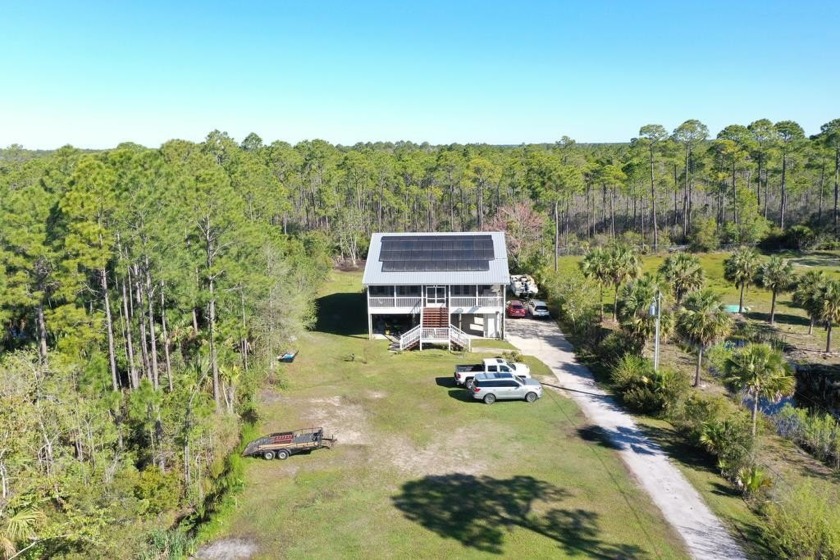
(413,301)
(456,301)
(473,301)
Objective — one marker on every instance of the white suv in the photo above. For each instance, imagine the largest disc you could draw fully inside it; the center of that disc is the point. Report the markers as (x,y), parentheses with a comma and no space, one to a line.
(538,309)
(490,387)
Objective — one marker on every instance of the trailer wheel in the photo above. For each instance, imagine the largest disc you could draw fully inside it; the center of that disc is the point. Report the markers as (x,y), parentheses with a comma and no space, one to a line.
(283,454)
(268,455)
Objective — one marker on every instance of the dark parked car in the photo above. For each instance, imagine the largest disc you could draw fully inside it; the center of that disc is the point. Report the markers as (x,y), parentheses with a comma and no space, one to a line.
(516,308)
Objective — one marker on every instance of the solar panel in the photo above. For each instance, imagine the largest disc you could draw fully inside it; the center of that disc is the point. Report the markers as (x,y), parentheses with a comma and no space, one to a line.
(440,253)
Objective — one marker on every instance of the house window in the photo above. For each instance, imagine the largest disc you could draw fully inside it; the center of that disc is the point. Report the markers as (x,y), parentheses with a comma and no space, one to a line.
(408,291)
(463,290)
(381,291)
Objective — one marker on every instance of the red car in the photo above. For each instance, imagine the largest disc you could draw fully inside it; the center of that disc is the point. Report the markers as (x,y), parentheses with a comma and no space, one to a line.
(516,308)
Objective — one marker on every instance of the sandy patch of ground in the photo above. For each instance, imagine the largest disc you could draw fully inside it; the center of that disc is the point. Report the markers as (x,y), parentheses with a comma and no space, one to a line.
(349,422)
(339,417)
(227,549)
(449,454)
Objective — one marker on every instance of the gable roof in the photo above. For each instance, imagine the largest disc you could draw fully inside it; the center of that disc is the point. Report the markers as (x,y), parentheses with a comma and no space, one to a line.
(453,258)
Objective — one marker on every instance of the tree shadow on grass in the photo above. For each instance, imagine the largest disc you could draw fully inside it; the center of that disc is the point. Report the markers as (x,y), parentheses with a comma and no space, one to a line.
(477,511)
(620,439)
(599,435)
(342,314)
(780,318)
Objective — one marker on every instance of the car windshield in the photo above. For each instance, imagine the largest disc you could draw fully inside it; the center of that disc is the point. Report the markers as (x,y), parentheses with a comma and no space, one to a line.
(541,308)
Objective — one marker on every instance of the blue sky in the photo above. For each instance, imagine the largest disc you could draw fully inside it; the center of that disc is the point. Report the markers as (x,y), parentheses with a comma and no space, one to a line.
(94,74)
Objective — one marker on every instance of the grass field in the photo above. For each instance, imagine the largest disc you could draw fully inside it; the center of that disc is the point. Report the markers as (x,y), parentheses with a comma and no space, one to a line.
(791,322)
(422,471)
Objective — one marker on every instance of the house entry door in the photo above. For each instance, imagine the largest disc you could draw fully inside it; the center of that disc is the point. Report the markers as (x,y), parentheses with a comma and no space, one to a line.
(435,296)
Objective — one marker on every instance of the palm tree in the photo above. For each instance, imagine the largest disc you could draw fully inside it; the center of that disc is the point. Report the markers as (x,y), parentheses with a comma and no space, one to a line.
(807,294)
(829,298)
(622,264)
(16,528)
(741,269)
(595,266)
(684,273)
(761,372)
(634,300)
(702,322)
(777,276)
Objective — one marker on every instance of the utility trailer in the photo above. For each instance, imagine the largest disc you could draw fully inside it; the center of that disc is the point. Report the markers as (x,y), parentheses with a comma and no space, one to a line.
(283,445)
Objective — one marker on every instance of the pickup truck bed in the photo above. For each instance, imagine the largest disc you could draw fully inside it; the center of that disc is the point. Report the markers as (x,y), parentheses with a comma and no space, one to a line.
(469,368)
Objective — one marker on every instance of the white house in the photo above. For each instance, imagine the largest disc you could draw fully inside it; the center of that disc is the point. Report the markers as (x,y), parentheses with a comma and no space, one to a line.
(437,288)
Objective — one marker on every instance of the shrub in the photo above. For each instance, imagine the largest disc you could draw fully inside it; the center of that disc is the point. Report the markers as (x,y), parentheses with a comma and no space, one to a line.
(716,357)
(716,425)
(159,492)
(801,238)
(704,236)
(730,440)
(697,409)
(576,301)
(615,346)
(645,390)
(754,482)
(512,356)
(803,524)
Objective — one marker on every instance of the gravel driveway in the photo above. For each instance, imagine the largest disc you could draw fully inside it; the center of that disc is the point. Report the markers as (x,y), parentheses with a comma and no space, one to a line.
(682,506)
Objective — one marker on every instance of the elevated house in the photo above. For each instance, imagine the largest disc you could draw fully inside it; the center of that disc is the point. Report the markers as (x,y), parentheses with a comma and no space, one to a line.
(436,288)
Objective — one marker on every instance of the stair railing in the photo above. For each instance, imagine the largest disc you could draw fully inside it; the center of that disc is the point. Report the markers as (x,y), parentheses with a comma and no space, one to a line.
(460,338)
(410,337)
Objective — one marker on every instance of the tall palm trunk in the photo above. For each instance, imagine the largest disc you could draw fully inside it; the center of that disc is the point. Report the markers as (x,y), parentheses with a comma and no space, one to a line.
(697,367)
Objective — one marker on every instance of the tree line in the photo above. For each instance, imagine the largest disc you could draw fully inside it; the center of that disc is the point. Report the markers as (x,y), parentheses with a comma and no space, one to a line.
(143,295)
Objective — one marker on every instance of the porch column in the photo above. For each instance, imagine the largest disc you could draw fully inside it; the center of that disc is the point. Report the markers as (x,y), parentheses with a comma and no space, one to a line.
(369,316)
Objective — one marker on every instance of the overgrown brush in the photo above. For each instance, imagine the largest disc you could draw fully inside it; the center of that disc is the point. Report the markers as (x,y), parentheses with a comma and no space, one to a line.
(803,523)
(819,434)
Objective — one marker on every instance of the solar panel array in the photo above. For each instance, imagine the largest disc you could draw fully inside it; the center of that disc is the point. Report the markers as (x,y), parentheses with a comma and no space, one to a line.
(438,253)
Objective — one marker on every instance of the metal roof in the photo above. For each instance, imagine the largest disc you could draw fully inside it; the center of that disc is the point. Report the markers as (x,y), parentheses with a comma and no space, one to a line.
(497,274)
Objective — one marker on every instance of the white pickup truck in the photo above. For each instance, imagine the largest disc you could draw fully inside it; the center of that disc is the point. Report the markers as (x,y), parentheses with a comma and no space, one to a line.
(464,373)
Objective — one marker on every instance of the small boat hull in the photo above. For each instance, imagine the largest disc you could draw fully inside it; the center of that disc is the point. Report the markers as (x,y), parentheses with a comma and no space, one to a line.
(523,286)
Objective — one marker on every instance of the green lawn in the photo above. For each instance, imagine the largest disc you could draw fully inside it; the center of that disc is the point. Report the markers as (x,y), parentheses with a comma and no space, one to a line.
(420,470)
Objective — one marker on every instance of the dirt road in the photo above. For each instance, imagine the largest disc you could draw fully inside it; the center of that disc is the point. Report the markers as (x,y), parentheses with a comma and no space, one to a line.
(682,506)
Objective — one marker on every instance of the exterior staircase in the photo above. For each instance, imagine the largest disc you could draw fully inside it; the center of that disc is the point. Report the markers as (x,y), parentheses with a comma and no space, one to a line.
(434,328)
(435,317)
